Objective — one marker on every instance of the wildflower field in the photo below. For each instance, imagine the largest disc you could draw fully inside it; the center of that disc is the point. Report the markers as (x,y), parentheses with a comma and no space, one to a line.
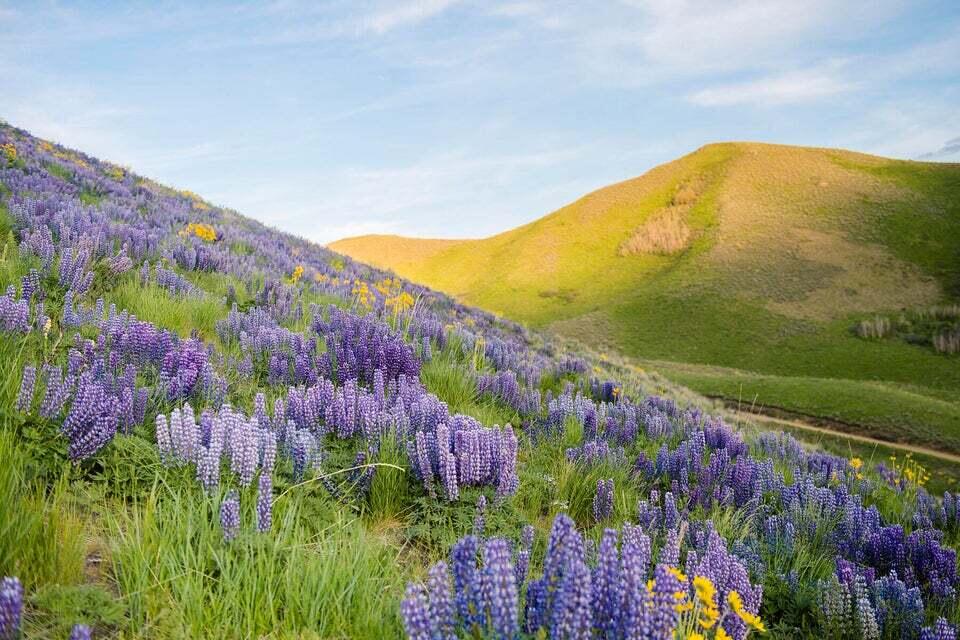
(212,429)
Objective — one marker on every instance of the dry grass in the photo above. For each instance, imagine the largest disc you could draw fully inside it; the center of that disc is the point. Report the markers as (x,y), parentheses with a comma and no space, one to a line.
(947,342)
(875,328)
(664,234)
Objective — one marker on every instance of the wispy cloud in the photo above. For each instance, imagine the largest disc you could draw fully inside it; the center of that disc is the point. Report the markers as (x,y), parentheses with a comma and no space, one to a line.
(775,90)
(406,14)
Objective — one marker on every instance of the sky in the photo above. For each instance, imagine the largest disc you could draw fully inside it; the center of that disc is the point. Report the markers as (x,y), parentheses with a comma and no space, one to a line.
(446,118)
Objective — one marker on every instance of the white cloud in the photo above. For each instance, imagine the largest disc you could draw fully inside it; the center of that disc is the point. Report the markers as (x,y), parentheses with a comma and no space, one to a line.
(774,90)
(405,14)
(904,129)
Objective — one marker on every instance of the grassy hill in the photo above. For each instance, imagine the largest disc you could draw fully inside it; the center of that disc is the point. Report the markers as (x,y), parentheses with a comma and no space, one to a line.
(740,270)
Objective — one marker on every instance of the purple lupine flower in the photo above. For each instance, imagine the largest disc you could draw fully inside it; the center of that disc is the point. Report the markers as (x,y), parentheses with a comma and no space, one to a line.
(80,632)
(230,516)
(466,580)
(92,420)
(164,440)
(605,597)
(671,515)
(500,588)
(572,615)
(264,501)
(442,611)
(507,481)
(450,476)
(415,611)
(478,523)
(603,500)
(244,452)
(11,607)
(56,393)
(523,555)
(633,617)
(941,630)
(661,614)
(670,553)
(27,385)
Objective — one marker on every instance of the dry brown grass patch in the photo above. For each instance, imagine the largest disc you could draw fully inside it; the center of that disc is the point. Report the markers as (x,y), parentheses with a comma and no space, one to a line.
(666,231)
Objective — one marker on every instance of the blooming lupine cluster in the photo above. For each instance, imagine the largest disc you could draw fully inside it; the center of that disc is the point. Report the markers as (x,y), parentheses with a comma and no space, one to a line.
(503,385)
(14,312)
(621,594)
(226,434)
(359,346)
(461,452)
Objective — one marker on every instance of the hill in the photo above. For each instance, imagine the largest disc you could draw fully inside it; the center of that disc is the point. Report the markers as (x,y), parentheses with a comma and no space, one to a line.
(740,270)
(212,429)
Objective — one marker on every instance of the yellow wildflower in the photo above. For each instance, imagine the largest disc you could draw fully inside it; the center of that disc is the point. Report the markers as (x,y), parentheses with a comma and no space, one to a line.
(856,463)
(752,620)
(297,274)
(677,574)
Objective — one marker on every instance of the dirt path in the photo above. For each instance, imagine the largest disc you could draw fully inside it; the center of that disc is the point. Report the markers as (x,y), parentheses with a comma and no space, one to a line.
(797,422)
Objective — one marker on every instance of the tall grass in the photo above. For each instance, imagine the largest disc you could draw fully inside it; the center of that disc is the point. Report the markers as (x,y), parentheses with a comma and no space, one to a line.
(41,533)
(390,488)
(180,578)
(182,314)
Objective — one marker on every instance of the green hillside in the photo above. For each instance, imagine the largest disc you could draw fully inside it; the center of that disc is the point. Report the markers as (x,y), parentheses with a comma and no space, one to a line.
(740,270)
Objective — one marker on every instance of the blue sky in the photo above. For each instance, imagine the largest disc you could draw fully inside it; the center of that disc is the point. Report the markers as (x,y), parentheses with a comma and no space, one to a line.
(461,119)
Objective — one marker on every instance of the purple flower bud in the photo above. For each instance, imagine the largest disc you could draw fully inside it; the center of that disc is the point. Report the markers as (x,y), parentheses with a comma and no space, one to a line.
(230,516)
(264,502)
(25,397)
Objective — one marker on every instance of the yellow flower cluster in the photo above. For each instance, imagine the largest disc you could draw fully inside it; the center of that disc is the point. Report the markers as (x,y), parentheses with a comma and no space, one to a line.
(400,302)
(70,157)
(46,146)
(388,286)
(706,594)
(362,294)
(116,173)
(700,617)
(198,202)
(10,151)
(856,464)
(910,472)
(203,231)
(297,274)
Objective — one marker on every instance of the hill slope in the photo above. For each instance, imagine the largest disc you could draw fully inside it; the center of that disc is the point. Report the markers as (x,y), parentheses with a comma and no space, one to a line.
(754,257)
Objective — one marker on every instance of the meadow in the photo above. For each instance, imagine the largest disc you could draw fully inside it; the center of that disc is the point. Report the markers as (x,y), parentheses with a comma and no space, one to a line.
(210,428)
(742,270)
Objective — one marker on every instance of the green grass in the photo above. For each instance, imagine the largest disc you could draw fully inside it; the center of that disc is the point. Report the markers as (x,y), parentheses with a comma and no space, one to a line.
(41,535)
(880,410)
(182,314)
(310,575)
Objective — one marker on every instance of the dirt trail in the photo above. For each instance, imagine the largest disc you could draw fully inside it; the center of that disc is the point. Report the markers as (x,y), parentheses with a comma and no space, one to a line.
(798,422)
